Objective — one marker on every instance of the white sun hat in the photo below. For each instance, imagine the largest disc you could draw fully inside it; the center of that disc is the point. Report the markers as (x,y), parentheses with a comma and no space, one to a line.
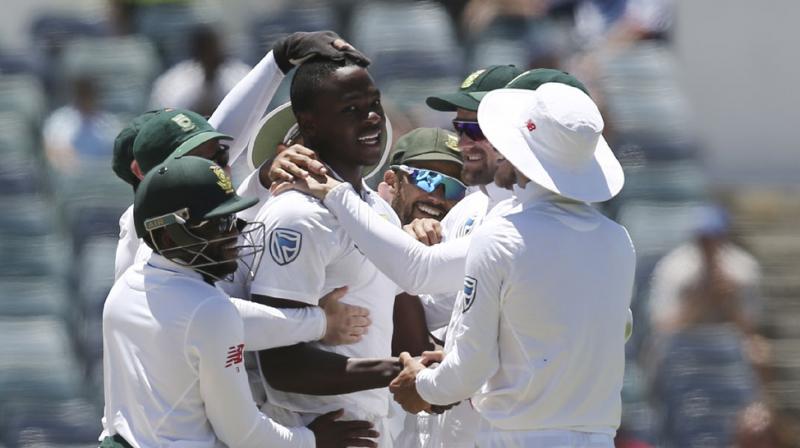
(553,135)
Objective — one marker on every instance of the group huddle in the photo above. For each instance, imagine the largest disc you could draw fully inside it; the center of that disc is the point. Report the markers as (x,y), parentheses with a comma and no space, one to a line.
(475,298)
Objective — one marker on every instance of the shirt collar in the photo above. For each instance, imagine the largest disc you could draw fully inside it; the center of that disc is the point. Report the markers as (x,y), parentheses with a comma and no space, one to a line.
(496,193)
(365,190)
(532,193)
(160,262)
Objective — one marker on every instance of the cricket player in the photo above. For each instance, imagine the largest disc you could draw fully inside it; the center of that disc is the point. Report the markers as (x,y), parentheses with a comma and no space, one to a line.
(173,343)
(547,287)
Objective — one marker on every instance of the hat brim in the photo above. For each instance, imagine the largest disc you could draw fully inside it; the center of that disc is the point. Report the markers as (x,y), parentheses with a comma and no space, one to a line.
(501,114)
(197,140)
(452,101)
(280,125)
(234,204)
(435,157)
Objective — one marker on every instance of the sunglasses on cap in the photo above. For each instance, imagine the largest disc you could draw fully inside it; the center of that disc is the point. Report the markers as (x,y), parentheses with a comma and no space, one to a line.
(469,128)
(429,180)
(224,224)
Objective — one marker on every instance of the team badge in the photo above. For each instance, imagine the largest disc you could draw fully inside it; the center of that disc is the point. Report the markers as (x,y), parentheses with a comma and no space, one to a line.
(186,124)
(470,284)
(284,245)
(469,224)
(452,142)
(469,80)
(223,180)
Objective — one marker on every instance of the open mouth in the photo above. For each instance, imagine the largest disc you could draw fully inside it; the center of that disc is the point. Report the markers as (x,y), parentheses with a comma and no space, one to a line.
(370,139)
(433,212)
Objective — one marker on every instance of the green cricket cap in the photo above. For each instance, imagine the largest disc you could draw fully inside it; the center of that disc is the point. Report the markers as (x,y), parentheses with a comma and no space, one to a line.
(483,80)
(193,183)
(172,133)
(532,79)
(427,144)
(123,147)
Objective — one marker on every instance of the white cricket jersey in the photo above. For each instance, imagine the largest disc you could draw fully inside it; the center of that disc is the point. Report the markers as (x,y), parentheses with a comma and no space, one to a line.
(127,245)
(173,371)
(309,255)
(459,222)
(540,321)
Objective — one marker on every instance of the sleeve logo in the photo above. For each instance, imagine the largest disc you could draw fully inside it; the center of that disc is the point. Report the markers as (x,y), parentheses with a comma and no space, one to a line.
(284,245)
(470,284)
(235,355)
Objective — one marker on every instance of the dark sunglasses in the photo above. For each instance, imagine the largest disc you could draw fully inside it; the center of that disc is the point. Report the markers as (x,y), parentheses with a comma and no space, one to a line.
(223,224)
(221,155)
(469,128)
(429,180)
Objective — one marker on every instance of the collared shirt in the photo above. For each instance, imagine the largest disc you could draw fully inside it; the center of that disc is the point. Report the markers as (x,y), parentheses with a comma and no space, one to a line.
(309,255)
(541,333)
(173,370)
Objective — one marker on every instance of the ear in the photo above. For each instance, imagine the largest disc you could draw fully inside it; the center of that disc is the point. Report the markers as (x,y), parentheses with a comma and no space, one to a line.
(390,177)
(137,170)
(306,124)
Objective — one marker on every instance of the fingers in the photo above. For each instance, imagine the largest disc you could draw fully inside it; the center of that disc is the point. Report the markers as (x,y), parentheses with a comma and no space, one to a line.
(334,295)
(431,357)
(417,232)
(404,358)
(331,416)
(433,230)
(359,322)
(362,442)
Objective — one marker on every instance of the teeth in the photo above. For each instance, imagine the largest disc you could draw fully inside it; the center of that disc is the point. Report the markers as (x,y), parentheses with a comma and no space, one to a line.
(473,158)
(429,210)
(370,138)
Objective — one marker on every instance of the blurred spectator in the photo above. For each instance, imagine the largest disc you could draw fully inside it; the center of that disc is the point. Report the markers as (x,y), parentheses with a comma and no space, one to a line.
(707,280)
(80,130)
(200,83)
(757,427)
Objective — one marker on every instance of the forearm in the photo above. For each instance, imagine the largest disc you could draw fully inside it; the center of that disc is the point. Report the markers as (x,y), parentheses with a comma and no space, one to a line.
(304,369)
(266,327)
(410,329)
(242,108)
(416,268)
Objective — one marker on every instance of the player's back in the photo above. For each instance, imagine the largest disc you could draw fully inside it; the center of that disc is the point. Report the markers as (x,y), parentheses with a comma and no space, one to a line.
(151,377)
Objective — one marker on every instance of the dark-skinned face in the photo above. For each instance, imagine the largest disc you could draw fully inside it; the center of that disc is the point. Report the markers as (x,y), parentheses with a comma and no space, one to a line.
(411,202)
(346,121)
(480,157)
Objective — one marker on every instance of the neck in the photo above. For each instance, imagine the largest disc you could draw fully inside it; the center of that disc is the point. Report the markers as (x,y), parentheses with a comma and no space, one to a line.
(348,173)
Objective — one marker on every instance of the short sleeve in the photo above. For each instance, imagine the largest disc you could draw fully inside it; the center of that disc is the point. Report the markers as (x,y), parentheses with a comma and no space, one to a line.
(302,239)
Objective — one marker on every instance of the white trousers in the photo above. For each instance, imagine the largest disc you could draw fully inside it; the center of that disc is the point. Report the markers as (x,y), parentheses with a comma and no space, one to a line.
(544,439)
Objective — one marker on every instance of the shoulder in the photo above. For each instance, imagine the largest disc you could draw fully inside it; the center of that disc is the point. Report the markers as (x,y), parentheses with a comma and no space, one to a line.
(295,208)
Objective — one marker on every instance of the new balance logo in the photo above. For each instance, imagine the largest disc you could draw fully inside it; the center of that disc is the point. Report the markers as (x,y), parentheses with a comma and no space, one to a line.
(235,355)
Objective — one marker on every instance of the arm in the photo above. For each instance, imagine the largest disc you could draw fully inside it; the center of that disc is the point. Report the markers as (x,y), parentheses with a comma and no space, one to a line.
(474,356)
(415,267)
(267,327)
(302,368)
(241,109)
(223,382)
(410,329)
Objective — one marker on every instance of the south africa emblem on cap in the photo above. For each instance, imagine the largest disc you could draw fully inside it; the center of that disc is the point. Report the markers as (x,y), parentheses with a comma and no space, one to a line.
(451,142)
(223,180)
(469,80)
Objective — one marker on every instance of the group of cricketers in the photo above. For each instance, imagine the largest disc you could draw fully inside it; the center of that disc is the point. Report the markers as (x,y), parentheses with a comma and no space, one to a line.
(477,298)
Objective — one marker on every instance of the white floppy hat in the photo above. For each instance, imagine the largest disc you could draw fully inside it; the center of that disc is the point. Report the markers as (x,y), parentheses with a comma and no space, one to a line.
(553,135)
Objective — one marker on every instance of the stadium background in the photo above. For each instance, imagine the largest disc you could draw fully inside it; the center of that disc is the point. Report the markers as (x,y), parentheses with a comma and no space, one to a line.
(699,100)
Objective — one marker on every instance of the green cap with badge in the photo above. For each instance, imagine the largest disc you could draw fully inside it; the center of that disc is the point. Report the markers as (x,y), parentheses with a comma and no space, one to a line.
(532,79)
(173,132)
(191,189)
(123,147)
(427,144)
(483,80)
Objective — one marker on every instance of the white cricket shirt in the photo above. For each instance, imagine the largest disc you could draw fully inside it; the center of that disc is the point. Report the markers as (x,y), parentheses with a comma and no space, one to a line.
(127,245)
(173,370)
(541,333)
(309,254)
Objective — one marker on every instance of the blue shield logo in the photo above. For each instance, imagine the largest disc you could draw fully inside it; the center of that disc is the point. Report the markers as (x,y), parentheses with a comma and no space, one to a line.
(470,284)
(284,245)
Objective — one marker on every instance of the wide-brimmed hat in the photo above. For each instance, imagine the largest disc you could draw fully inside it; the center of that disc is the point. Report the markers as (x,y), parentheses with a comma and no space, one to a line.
(554,137)
(280,126)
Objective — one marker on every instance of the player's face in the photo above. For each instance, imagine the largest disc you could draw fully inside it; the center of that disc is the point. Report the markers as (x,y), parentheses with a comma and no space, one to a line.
(348,118)
(215,151)
(505,176)
(223,234)
(480,157)
(411,202)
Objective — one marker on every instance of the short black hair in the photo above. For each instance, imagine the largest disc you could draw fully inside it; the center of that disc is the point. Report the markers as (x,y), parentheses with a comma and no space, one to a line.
(310,76)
